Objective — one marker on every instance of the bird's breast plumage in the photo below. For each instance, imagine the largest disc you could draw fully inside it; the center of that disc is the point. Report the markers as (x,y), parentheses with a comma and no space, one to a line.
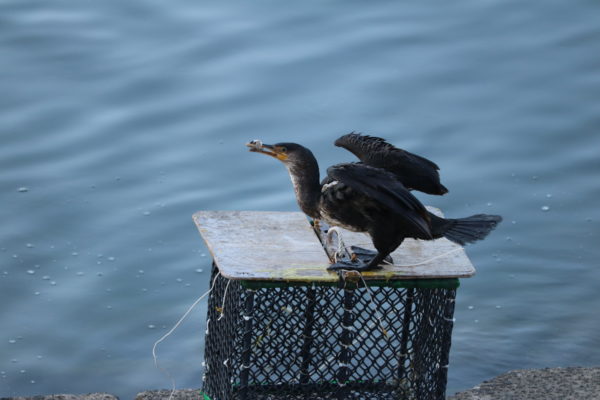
(340,205)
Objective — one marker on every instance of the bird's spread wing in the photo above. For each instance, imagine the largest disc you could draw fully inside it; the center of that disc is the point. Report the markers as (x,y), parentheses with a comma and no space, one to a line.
(382,186)
(415,172)
(368,147)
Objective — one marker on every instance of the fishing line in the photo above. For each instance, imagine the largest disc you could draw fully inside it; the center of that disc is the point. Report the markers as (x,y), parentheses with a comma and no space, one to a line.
(165,371)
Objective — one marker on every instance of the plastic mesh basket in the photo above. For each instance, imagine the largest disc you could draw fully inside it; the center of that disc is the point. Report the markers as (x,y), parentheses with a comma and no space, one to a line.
(343,341)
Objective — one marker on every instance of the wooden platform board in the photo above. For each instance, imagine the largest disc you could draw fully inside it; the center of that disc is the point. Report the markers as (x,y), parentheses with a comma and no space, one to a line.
(282,246)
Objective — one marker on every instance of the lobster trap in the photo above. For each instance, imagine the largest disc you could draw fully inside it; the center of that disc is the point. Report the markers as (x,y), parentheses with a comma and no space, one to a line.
(280,326)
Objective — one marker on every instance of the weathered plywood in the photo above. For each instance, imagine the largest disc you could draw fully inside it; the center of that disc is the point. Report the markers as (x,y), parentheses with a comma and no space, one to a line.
(282,246)
(264,245)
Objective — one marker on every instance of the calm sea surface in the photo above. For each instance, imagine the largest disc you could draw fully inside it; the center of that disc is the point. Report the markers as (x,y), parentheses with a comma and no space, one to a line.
(119,119)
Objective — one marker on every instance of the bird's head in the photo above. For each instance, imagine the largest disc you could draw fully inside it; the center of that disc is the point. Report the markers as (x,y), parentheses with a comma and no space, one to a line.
(303,169)
(289,153)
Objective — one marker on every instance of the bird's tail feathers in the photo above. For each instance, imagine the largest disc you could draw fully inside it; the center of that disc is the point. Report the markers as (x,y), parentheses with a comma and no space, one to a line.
(471,229)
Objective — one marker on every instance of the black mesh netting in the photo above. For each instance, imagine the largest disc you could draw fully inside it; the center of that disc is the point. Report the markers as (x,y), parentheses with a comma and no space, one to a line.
(324,342)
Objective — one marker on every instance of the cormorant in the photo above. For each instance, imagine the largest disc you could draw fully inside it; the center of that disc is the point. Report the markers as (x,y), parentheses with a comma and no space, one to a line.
(362,198)
(415,172)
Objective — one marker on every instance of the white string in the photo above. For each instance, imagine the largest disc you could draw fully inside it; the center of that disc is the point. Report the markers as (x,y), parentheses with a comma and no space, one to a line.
(166,372)
(221,315)
(427,260)
(340,245)
(362,335)
(377,315)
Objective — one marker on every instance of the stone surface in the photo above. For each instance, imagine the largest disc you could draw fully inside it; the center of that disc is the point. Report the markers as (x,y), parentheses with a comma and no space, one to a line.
(573,383)
(183,394)
(89,396)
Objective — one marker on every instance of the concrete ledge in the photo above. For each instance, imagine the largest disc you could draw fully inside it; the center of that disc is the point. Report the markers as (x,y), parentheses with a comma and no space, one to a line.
(573,383)
(183,394)
(89,396)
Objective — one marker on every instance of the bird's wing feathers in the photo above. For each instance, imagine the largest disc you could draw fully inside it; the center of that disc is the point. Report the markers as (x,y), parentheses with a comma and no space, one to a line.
(366,146)
(382,186)
(416,159)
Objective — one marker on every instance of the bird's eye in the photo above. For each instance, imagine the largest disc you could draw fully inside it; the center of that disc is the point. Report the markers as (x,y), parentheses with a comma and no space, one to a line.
(283,150)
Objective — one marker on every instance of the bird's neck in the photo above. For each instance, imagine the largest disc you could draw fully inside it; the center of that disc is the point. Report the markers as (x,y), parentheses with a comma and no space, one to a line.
(307,187)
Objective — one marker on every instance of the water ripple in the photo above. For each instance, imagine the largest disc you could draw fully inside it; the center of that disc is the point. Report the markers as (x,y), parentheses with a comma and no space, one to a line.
(124,118)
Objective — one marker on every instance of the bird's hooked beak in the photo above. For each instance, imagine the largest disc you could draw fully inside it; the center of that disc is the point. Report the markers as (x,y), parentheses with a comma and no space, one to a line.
(274,151)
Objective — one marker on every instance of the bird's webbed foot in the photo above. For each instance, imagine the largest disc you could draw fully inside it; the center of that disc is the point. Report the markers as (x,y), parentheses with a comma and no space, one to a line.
(355,265)
(365,256)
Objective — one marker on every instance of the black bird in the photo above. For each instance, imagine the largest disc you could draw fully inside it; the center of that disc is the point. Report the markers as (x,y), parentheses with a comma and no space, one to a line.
(415,172)
(362,198)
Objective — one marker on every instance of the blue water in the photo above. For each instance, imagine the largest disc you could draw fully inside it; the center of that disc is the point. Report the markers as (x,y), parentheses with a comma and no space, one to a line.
(119,119)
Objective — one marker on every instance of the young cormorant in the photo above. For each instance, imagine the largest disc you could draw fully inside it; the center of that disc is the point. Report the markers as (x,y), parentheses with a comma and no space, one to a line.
(362,198)
(415,172)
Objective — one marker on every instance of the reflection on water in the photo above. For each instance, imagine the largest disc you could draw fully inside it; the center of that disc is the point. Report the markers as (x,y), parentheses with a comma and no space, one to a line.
(121,119)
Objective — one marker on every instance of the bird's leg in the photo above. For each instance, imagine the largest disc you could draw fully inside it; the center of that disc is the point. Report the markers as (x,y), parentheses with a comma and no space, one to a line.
(378,259)
(384,247)
(366,255)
